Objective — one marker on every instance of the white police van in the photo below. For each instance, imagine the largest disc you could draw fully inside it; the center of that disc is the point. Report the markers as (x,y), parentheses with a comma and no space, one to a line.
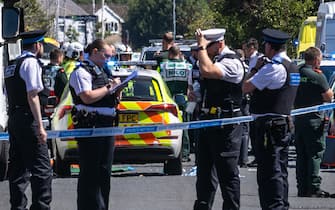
(9,50)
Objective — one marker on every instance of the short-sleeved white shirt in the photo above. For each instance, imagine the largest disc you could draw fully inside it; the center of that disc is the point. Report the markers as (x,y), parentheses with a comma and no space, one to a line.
(31,72)
(190,75)
(232,69)
(81,80)
(253,59)
(272,75)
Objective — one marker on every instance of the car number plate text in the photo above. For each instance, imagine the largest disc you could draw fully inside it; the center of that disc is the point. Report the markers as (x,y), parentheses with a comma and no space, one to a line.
(128,118)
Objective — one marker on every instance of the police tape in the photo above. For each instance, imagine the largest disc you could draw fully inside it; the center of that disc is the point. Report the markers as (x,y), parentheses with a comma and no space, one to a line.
(115,131)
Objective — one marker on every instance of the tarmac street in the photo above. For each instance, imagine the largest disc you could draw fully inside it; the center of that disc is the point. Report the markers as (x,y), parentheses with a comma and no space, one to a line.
(138,187)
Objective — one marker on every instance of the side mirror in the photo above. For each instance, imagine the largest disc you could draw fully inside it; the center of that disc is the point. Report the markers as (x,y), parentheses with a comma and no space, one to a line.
(10,22)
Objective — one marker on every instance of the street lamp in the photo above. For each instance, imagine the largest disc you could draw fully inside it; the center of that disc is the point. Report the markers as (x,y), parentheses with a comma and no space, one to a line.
(102,19)
(174,19)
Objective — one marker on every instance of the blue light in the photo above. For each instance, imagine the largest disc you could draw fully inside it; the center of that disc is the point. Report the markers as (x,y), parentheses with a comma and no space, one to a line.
(295,42)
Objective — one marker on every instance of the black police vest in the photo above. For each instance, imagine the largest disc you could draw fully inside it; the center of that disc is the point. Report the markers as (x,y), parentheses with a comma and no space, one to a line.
(16,87)
(278,101)
(99,79)
(220,93)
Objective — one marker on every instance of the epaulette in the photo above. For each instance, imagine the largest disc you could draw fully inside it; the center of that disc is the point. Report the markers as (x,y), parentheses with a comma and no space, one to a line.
(277,60)
(317,71)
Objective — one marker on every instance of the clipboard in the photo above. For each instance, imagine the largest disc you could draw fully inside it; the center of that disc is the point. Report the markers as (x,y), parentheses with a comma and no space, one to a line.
(125,82)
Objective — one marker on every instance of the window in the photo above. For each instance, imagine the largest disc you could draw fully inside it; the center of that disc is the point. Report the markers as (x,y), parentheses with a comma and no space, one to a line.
(81,29)
(61,28)
(116,28)
(141,88)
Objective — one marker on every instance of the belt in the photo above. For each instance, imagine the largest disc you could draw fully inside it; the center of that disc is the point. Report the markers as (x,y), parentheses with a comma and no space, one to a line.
(105,111)
(219,114)
(218,110)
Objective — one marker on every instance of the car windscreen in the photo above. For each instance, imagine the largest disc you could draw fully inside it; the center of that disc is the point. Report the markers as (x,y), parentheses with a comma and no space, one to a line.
(140,89)
(149,55)
(328,71)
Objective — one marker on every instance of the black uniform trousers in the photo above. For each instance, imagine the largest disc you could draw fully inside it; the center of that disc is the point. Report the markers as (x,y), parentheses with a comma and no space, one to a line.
(95,159)
(272,142)
(219,150)
(29,160)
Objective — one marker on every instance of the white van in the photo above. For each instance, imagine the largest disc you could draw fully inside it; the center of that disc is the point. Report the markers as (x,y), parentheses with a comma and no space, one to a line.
(325,28)
(9,50)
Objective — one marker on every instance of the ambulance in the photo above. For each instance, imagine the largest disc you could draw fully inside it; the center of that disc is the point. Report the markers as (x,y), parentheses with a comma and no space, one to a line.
(307,35)
(325,33)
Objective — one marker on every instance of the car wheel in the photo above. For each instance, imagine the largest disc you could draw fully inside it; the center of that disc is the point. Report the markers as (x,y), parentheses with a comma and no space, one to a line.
(4,156)
(173,166)
(62,167)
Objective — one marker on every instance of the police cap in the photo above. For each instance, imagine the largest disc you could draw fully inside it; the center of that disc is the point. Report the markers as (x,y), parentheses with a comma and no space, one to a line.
(214,34)
(31,37)
(275,36)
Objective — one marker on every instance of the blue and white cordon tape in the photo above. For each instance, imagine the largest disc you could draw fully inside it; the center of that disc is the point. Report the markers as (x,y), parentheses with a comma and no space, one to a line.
(114,131)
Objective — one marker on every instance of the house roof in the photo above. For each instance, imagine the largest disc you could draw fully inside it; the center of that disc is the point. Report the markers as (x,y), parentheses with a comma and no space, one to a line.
(111,12)
(118,9)
(66,7)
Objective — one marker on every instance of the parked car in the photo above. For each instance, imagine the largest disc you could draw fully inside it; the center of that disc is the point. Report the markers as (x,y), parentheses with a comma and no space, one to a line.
(329,155)
(148,53)
(328,68)
(145,101)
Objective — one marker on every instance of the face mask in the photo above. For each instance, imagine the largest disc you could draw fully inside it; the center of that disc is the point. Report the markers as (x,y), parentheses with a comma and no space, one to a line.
(109,65)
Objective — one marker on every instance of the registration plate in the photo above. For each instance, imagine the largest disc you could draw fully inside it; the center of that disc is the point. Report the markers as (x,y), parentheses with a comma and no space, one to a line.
(128,118)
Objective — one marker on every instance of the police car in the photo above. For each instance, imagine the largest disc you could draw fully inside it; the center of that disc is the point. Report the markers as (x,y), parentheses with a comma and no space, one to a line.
(145,101)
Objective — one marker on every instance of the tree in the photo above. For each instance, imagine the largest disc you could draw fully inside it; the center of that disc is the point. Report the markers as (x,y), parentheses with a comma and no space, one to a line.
(150,19)
(34,17)
(201,16)
(247,18)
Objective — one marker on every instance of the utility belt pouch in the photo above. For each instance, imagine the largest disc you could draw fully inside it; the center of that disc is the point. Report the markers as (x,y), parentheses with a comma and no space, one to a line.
(83,119)
(278,130)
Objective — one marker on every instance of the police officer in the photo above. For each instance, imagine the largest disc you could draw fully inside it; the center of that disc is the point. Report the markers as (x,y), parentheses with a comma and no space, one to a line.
(175,72)
(28,153)
(273,83)
(194,97)
(219,147)
(309,128)
(252,54)
(95,102)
